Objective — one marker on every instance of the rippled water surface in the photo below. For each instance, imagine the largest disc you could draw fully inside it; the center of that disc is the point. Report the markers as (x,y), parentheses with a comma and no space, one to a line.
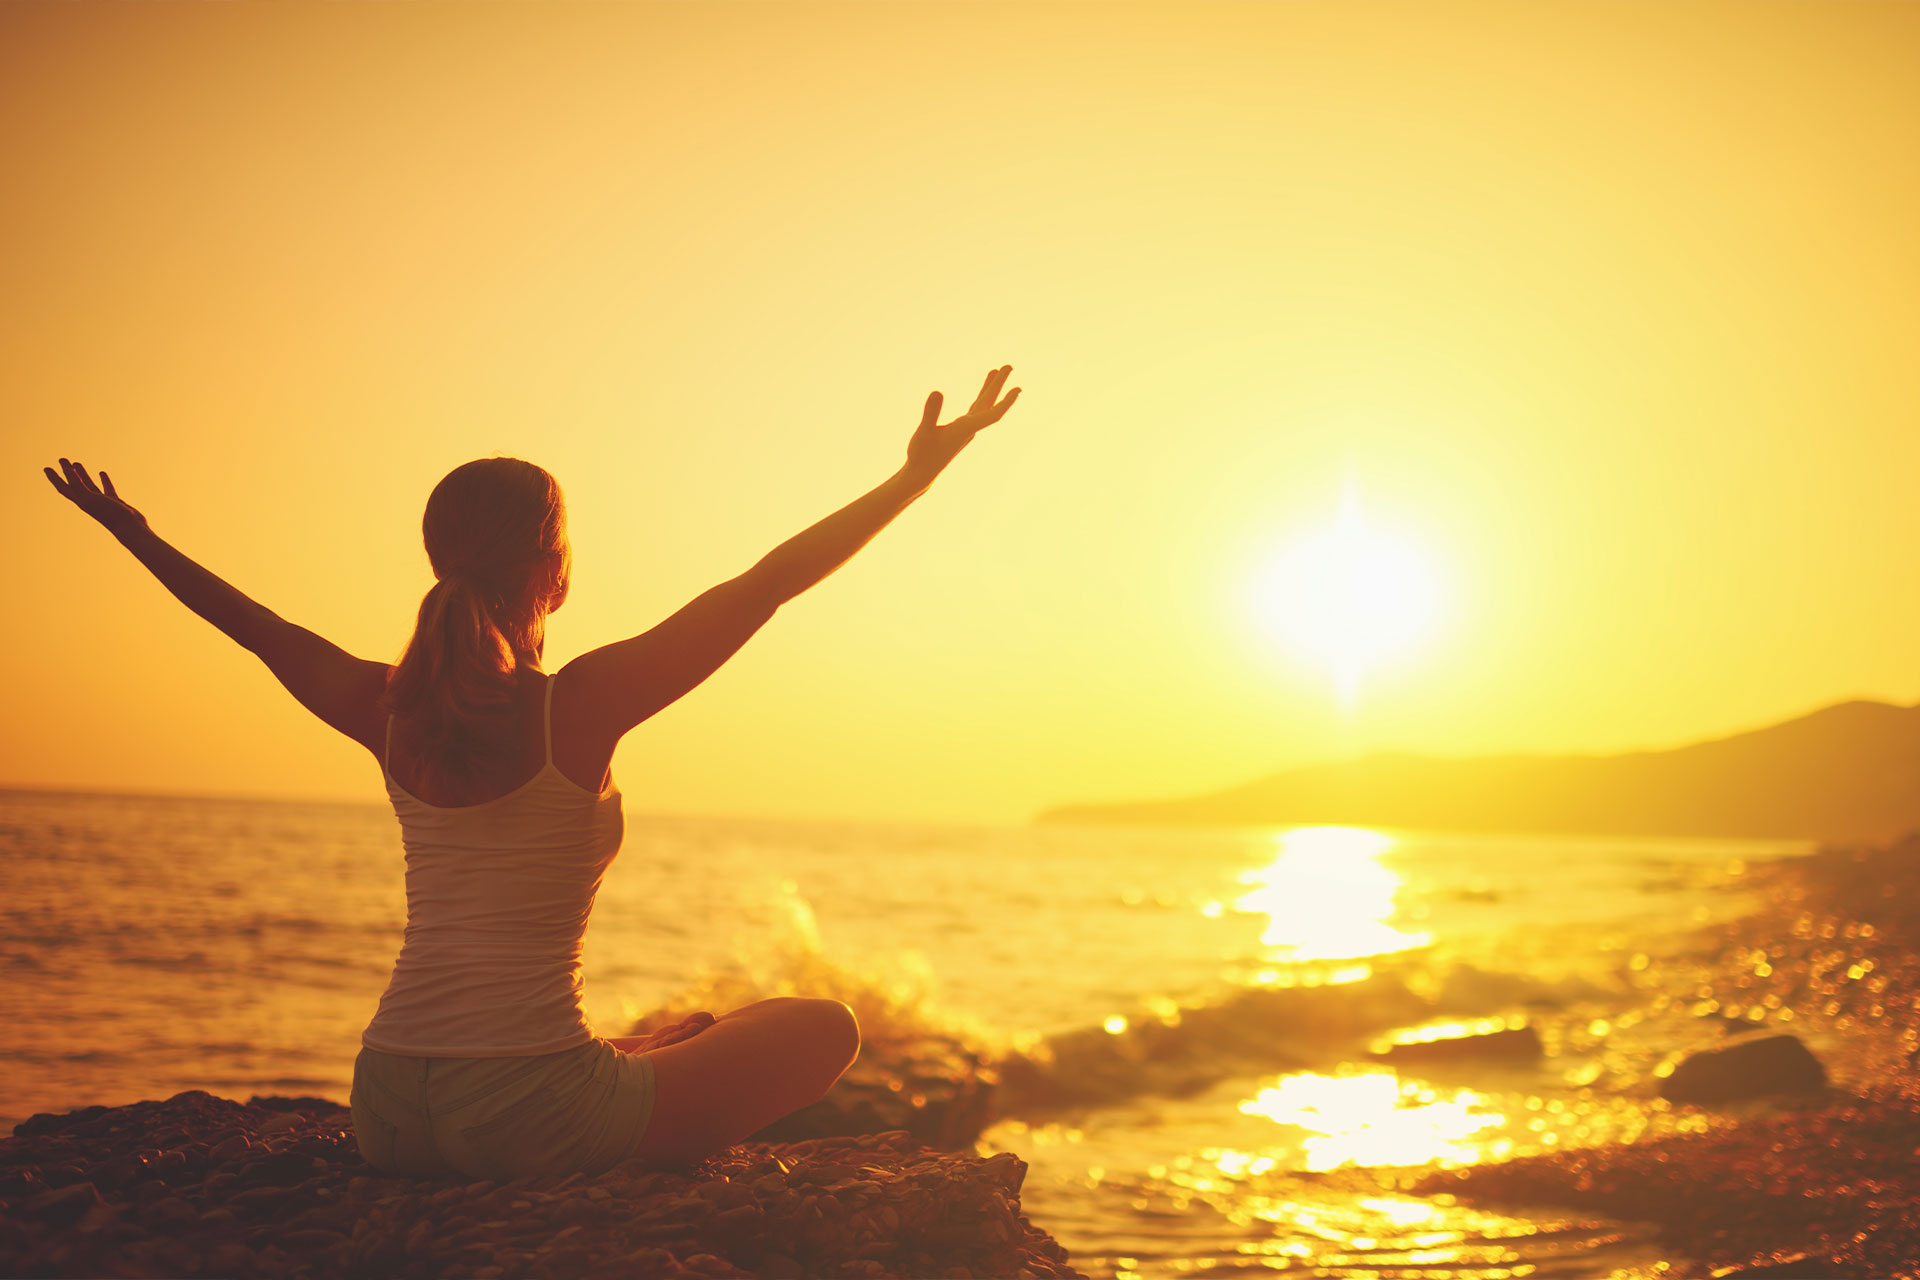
(1233,1020)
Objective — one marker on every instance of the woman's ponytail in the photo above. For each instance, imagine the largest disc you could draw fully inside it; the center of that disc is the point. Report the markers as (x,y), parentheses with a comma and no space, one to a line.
(489,527)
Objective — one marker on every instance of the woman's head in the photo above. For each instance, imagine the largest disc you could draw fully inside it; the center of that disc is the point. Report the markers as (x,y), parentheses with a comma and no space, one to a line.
(496,535)
(500,525)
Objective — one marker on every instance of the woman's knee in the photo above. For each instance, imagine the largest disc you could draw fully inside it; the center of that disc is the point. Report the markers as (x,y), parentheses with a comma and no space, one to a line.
(839,1031)
(824,1034)
(829,1024)
(816,1033)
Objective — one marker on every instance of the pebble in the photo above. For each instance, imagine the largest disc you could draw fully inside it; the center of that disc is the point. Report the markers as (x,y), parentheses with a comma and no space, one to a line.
(63,1204)
(277,1190)
(173,1210)
(230,1148)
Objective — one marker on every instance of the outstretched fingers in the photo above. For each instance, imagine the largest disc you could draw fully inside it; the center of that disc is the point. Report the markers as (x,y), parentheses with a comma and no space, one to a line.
(77,475)
(935,444)
(72,480)
(990,389)
(74,483)
(989,407)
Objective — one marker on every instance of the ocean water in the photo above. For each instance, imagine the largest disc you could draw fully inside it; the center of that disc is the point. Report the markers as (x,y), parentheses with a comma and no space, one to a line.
(1203,1021)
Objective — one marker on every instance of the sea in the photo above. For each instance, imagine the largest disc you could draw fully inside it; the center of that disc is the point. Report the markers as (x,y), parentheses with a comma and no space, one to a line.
(1218,1031)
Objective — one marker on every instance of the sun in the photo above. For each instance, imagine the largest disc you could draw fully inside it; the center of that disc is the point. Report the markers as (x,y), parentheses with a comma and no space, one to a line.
(1351,596)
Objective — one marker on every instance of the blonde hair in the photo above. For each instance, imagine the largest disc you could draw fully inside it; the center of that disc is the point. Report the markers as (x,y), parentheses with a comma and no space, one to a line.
(491,526)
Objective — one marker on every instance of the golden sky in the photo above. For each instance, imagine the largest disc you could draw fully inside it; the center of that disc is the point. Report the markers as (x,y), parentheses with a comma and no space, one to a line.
(1610,310)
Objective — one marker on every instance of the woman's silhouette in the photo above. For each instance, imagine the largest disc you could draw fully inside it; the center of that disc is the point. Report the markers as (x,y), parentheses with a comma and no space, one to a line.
(479,1059)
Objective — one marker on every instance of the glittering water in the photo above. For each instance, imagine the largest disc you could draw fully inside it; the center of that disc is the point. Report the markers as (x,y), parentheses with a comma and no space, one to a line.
(1232,1020)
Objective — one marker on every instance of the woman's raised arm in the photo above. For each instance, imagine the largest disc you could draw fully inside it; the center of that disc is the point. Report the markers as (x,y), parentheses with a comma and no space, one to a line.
(632,679)
(339,688)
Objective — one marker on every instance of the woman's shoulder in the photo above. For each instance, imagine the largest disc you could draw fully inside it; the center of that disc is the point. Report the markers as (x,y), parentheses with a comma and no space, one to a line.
(581,735)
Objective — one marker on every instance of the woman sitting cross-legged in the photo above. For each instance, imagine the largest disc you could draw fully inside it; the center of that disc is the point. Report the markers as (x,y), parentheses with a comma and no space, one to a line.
(479,1059)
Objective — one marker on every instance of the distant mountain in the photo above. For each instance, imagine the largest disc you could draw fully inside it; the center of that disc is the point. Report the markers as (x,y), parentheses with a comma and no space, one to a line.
(1850,771)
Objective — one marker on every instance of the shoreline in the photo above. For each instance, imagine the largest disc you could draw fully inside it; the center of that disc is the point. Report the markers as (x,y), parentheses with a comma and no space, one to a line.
(1820,1182)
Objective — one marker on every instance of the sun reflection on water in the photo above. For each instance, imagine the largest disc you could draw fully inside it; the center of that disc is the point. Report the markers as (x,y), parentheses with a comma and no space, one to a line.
(1374,1118)
(1316,1175)
(1328,896)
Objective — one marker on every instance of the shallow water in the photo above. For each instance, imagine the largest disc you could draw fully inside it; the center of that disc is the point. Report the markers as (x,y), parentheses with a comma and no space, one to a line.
(1201,1012)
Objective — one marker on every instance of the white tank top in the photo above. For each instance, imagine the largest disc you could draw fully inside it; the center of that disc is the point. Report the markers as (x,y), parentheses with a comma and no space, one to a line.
(498,896)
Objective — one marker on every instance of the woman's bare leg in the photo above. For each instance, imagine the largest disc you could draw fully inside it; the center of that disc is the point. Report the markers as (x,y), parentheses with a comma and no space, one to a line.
(748,1069)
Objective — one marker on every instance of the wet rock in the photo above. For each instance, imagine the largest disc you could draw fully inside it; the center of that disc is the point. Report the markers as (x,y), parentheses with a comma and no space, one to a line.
(934,1087)
(1753,1065)
(1505,1044)
(877,1204)
(1249,1031)
(1827,1188)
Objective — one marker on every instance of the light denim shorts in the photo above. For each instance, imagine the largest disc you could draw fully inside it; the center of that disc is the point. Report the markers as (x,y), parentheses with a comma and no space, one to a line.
(581,1110)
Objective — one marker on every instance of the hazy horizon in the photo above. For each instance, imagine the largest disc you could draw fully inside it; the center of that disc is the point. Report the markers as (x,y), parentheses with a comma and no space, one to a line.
(1041,814)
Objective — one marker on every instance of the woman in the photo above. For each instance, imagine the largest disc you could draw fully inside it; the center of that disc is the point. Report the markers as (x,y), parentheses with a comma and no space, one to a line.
(479,1059)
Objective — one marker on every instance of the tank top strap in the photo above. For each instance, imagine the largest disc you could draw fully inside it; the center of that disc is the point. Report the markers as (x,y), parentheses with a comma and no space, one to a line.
(547,719)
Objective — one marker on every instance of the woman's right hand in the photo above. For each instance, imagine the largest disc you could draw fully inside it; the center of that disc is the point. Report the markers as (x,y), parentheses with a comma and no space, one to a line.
(107,507)
(933,446)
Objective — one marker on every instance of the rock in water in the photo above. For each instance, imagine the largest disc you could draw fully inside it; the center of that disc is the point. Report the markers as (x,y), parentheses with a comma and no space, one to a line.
(1746,1066)
(1506,1044)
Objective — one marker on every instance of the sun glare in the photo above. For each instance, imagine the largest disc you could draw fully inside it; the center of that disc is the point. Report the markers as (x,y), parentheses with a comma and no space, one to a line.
(1375,1118)
(1350,596)
(1328,896)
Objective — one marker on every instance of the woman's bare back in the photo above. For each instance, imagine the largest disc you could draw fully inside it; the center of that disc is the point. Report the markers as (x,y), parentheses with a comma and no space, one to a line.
(578,752)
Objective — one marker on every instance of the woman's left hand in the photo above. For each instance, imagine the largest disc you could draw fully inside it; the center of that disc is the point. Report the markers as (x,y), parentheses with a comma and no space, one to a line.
(933,446)
(685,1029)
(106,506)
